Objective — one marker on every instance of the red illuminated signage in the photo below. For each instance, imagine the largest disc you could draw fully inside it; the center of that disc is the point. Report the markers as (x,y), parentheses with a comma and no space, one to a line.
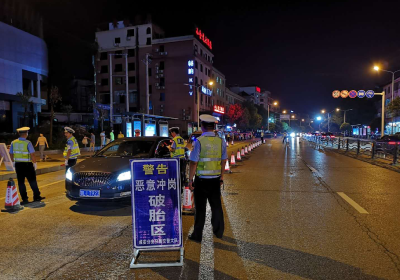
(258,89)
(203,38)
(219,109)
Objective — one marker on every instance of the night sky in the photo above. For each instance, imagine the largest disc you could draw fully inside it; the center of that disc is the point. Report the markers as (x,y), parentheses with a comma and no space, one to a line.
(299,50)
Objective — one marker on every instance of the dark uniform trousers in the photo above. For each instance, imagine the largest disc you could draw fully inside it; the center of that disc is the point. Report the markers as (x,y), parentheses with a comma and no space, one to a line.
(208,189)
(26,170)
(71,162)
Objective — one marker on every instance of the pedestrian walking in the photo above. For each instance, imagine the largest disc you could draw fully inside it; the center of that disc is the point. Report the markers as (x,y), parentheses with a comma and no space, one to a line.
(207,161)
(42,142)
(284,137)
(23,156)
(92,142)
(112,138)
(120,135)
(85,140)
(102,139)
(71,151)
(262,136)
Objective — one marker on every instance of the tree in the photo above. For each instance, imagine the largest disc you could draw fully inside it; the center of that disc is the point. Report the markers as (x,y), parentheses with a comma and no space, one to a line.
(235,113)
(394,107)
(375,124)
(285,127)
(68,110)
(25,100)
(346,128)
(245,120)
(54,98)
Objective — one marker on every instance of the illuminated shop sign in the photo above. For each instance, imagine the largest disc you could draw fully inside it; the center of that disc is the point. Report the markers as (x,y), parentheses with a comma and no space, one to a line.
(219,109)
(258,89)
(206,91)
(190,73)
(203,38)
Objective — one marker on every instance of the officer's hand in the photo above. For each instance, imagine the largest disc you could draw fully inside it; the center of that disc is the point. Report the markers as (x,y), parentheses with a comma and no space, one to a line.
(66,162)
(35,165)
(191,187)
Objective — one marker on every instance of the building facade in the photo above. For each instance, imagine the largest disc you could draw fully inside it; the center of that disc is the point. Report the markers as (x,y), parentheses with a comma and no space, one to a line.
(253,91)
(392,122)
(23,66)
(179,72)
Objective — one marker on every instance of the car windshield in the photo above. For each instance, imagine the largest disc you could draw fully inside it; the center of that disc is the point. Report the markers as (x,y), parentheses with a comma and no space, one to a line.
(127,149)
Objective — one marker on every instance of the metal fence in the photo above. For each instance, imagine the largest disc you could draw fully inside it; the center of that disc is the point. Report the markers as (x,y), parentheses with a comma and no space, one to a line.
(371,148)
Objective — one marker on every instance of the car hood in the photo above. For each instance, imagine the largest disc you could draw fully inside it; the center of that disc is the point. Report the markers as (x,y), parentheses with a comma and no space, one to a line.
(102,164)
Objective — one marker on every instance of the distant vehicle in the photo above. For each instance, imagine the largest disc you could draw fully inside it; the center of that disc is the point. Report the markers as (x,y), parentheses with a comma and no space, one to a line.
(387,142)
(327,135)
(106,176)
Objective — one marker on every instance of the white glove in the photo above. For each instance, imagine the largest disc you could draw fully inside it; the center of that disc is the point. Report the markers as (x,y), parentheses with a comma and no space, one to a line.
(66,162)
(35,165)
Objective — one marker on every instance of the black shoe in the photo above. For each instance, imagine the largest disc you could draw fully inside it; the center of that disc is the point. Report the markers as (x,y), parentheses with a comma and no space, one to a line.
(194,238)
(24,201)
(38,198)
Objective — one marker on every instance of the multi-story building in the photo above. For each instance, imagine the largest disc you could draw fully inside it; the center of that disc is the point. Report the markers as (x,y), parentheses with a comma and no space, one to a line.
(253,91)
(23,65)
(81,95)
(179,68)
(233,98)
(392,122)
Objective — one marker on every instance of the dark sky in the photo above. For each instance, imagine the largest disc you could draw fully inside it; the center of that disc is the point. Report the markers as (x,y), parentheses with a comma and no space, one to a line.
(299,50)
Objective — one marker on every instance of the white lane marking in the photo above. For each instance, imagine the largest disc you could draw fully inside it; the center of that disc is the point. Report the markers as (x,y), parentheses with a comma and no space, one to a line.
(41,187)
(353,203)
(206,269)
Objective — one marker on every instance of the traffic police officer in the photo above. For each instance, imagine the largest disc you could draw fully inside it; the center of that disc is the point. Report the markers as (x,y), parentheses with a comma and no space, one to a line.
(23,153)
(71,151)
(207,162)
(177,150)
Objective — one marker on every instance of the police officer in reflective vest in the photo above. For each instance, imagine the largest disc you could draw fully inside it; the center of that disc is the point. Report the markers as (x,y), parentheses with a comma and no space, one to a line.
(207,162)
(23,155)
(71,151)
(177,150)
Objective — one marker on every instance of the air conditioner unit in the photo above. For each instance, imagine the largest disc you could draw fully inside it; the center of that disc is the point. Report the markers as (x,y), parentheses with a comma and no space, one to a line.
(158,87)
(128,38)
(161,71)
(161,75)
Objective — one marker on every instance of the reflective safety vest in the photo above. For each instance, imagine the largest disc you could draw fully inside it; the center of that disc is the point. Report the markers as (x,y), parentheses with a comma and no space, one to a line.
(179,147)
(75,152)
(262,134)
(210,156)
(20,150)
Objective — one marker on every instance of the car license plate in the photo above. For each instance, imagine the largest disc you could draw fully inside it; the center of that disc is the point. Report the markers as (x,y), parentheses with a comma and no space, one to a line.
(89,193)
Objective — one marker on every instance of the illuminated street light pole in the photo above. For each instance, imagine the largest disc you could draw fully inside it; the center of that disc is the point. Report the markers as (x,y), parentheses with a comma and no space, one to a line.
(376,68)
(344,118)
(275,104)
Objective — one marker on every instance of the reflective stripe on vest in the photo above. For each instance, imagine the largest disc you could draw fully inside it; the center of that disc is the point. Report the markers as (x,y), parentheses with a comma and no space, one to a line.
(20,150)
(210,156)
(179,148)
(75,152)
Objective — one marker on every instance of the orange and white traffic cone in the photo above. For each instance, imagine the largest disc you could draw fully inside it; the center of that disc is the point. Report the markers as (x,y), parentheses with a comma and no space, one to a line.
(233,159)
(238,157)
(246,151)
(227,169)
(242,152)
(227,143)
(232,142)
(187,202)
(12,203)
(250,148)
(264,141)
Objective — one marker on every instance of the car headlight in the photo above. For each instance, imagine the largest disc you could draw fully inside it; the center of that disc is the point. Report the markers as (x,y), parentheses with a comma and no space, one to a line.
(292,134)
(124,176)
(68,175)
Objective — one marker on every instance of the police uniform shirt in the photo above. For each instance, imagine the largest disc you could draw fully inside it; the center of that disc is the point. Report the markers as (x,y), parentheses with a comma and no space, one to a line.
(70,143)
(195,154)
(31,150)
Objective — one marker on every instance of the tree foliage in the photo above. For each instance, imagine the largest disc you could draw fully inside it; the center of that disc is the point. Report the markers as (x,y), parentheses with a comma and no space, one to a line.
(54,98)
(345,127)
(235,113)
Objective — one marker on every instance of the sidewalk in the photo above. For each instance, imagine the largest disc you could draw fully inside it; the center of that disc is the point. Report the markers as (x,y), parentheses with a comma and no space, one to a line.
(54,162)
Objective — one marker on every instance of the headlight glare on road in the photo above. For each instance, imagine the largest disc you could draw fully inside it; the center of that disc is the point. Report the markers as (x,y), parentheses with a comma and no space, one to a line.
(124,176)
(68,175)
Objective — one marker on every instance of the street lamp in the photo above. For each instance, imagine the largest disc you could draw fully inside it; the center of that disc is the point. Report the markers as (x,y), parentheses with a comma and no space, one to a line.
(376,68)
(198,100)
(323,111)
(275,103)
(284,112)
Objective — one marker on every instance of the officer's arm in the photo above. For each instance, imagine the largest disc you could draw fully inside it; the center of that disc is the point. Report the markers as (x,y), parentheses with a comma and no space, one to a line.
(68,154)
(12,157)
(192,170)
(33,157)
(223,162)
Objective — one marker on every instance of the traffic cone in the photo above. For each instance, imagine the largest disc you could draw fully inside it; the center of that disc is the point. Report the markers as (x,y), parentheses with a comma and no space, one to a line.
(12,203)
(238,157)
(232,142)
(233,159)
(187,202)
(227,143)
(264,141)
(249,148)
(242,152)
(245,150)
(227,169)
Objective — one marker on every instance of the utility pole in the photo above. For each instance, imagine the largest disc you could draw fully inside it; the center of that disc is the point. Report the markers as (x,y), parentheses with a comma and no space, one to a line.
(126,83)
(147,84)
(111,93)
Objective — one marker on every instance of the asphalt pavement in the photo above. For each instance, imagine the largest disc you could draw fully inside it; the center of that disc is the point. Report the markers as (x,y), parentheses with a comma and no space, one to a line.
(291,212)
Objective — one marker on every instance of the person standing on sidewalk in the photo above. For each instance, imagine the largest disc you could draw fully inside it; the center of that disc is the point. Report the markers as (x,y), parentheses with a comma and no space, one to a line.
(207,162)
(71,151)
(103,139)
(120,135)
(262,136)
(112,138)
(42,142)
(23,155)
(92,142)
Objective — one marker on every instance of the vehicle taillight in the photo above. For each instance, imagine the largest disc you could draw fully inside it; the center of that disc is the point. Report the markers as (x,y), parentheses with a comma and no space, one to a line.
(392,143)
(332,136)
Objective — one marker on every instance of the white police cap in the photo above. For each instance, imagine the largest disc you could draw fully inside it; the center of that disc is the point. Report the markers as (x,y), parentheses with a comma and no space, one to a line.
(208,119)
(68,129)
(23,129)
(174,128)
